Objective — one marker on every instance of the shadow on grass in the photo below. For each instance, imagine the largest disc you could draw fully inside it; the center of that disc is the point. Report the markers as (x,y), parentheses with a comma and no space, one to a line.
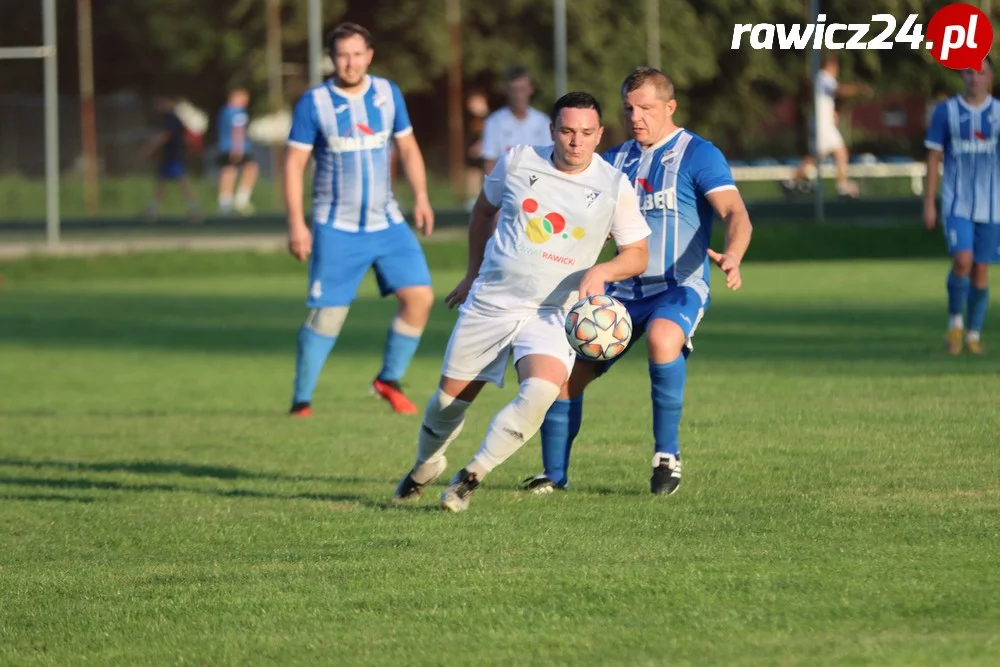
(172,468)
(47,497)
(188,470)
(82,484)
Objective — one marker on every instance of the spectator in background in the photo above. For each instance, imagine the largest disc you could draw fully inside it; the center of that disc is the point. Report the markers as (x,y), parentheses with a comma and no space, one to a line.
(517,123)
(170,142)
(831,142)
(478,108)
(234,153)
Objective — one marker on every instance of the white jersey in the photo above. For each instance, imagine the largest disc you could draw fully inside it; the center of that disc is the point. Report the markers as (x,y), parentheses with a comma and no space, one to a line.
(826,100)
(503,130)
(550,231)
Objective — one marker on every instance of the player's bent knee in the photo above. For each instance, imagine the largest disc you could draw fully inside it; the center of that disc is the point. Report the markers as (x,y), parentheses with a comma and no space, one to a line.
(980,274)
(665,340)
(444,413)
(962,263)
(418,296)
(327,321)
(463,390)
(534,398)
(584,372)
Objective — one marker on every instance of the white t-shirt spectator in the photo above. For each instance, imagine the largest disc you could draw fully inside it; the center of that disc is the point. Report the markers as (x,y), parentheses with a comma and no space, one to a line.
(503,130)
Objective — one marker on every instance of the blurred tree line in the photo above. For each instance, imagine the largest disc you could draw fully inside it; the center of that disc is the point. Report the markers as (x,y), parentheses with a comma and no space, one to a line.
(200,49)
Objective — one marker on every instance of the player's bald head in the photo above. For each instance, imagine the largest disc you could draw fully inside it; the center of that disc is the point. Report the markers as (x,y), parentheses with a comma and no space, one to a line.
(642,76)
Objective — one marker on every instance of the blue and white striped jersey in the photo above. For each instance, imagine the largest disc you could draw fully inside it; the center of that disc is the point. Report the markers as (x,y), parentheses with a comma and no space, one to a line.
(231,117)
(351,139)
(968,137)
(672,179)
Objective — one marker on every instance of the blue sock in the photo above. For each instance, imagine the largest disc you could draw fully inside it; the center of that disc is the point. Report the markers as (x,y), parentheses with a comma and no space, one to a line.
(958,294)
(313,348)
(560,428)
(667,382)
(399,351)
(979,299)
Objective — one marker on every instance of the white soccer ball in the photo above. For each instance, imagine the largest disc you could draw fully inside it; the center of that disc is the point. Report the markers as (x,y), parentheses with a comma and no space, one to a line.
(598,328)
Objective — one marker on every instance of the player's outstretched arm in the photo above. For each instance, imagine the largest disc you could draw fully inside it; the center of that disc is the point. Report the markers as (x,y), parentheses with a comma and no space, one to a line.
(154,144)
(854,90)
(630,261)
(299,236)
(630,232)
(480,230)
(729,206)
(416,173)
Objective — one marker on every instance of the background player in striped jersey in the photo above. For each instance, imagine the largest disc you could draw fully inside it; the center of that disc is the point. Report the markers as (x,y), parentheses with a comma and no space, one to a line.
(235,153)
(347,125)
(963,133)
(557,206)
(682,181)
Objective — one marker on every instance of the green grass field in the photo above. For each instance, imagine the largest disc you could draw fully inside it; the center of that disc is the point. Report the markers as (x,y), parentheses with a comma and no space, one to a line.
(840,504)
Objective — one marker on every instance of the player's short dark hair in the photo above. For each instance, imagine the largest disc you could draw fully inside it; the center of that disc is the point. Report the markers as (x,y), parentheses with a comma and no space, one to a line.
(640,76)
(575,100)
(345,30)
(515,72)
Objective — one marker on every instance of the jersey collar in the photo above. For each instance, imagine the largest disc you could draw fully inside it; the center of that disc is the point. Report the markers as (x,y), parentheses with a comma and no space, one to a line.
(662,142)
(353,96)
(977,109)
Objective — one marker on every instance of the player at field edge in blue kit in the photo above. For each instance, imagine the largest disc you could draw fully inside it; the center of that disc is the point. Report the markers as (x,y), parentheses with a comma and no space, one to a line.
(682,181)
(963,133)
(235,154)
(348,125)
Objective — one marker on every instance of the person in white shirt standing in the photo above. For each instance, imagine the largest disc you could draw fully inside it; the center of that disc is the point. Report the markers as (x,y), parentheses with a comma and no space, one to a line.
(516,124)
(830,140)
(557,206)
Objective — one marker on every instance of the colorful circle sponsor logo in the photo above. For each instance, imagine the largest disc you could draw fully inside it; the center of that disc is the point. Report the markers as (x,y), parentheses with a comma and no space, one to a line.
(542,228)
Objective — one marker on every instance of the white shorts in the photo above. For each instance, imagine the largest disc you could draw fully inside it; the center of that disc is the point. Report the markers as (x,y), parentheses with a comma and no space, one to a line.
(482,343)
(830,139)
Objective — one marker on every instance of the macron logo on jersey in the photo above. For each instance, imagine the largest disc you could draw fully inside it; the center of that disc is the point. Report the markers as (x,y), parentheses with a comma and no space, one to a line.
(369,140)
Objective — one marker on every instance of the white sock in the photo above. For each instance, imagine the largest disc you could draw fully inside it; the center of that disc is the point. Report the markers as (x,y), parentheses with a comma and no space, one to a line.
(955,321)
(242,198)
(400,326)
(514,425)
(444,417)
(972,336)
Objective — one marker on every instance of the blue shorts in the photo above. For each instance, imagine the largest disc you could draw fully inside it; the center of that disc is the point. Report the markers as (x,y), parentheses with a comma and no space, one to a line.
(171,171)
(681,305)
(983,239)
(341,259)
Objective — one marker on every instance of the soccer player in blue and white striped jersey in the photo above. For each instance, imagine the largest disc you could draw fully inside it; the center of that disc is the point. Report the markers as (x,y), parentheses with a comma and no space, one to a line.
(682,182)
(347,125)
(964,132)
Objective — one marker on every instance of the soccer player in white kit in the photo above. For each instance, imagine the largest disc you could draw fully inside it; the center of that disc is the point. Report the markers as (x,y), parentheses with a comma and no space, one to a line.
(557,205)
